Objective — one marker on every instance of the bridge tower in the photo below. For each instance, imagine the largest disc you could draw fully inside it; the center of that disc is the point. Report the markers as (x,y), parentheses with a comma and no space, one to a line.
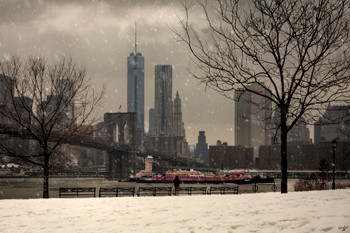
(121,129)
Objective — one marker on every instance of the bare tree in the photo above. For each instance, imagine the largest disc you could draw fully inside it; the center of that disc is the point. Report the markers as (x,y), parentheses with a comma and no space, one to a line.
(295,50)
(50,105)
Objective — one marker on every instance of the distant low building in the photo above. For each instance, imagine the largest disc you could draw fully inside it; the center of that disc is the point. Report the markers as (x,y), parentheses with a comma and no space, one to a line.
(305,156)
(223,156)
(168,145)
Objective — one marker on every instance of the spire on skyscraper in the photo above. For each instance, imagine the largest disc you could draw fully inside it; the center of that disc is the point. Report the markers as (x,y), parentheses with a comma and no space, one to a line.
(135,41)
(177,96)
(136,90)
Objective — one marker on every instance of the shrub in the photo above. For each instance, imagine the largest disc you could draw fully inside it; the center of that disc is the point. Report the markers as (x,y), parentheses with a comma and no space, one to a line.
(314,184)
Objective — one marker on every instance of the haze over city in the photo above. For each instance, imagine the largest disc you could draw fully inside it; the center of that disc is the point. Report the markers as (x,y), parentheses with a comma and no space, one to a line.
(100,36)
(214,114)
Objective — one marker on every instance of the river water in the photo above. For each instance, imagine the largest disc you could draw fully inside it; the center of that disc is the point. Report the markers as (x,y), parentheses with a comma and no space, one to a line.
(26,188)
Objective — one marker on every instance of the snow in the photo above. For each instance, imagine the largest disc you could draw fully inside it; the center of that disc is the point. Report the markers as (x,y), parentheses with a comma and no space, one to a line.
(316,211)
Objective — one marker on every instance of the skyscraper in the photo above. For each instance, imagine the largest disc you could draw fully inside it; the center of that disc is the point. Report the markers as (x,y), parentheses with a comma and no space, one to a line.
(6,97)
(201,152)
(136,92)
(252,118)
(6,89)
(334,124)
(242,118)
(178,116)
(300,132)
(163,105)
(166,134)
(151,122)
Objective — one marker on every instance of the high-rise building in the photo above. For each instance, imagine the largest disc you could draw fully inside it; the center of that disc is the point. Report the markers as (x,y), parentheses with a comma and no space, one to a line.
(242,118)
(63,97)
(6,97)
(317,130)
(166,134)
(252,118)
(178,131)
(201,152)
(300,132)
(23,106)
(151,121)
(6,89)
(334,124)
(58,106)
(135,89)
(163,104)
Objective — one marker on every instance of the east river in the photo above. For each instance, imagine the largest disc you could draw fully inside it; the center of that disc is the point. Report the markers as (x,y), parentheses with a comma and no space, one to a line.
(25,188)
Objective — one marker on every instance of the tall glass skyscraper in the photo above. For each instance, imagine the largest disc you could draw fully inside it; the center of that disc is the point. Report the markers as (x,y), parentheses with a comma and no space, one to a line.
(252,118)
(136,90)
(163,104)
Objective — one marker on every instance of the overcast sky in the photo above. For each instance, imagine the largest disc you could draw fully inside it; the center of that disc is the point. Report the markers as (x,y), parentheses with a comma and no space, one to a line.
(100,36)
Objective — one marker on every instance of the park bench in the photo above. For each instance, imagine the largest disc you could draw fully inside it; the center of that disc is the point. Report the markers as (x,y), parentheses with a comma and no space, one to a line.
(223,190)
(154,191)
(116,192)
(199,190)
(192,190)
(184,190)
(77,192)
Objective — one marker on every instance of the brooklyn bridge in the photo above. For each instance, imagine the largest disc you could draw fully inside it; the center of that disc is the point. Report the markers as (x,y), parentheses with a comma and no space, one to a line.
(116,136)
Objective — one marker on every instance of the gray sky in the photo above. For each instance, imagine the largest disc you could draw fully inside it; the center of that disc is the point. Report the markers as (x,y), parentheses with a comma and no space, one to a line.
(100,35)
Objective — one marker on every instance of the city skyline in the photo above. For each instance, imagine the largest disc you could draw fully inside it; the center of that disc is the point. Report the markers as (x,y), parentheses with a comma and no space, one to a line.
(100,35)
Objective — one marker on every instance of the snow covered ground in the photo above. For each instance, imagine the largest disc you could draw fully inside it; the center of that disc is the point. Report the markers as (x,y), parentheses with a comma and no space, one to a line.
(317,211)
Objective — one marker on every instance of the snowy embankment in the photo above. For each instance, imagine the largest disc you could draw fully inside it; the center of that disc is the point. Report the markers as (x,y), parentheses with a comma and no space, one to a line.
(317,211)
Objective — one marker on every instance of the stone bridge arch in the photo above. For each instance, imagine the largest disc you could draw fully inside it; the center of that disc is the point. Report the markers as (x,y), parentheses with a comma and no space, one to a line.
(120,129)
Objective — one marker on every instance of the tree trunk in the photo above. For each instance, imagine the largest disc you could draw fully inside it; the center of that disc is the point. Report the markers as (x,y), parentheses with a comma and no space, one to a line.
(46,176)
(284,162)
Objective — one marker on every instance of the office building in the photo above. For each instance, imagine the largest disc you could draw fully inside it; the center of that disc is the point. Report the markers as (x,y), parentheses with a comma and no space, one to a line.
(299,132)
(166,131)
(201,152)
(135,90)
(151,122)
(6,89)
(163,105)
(178,124)
(252,118)
(334,124)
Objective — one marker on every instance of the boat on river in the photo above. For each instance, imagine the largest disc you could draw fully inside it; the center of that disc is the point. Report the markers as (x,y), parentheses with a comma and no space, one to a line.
(193,176)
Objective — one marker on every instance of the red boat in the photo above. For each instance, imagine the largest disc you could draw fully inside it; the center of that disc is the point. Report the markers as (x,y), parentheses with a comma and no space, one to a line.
(192,176)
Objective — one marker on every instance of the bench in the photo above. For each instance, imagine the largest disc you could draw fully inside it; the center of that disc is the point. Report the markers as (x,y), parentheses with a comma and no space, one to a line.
(154,191)
(192,190)
(116,192)
(77,192)
(223,190)
(199,190)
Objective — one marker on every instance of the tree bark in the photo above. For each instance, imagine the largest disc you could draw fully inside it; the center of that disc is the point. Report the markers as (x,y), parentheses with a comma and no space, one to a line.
(46,176)
(284,162)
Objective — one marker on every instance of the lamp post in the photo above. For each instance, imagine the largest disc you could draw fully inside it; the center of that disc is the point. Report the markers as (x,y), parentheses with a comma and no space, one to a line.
(334,146)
